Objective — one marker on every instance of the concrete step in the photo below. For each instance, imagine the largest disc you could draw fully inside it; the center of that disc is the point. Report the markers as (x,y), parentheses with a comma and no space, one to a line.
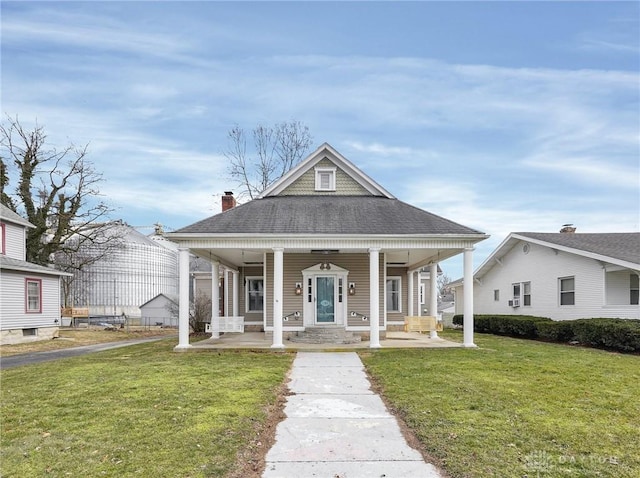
(325,335)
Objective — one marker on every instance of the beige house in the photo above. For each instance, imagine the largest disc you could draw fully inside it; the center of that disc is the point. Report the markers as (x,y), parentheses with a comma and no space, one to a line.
(324,246)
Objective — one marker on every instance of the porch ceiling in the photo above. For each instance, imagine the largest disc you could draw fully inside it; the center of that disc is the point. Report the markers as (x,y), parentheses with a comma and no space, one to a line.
(411,258)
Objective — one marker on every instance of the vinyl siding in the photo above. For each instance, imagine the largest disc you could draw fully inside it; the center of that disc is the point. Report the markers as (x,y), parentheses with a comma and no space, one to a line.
(12,309)
(543,267)
(15,238)
(294,264)
(306,184)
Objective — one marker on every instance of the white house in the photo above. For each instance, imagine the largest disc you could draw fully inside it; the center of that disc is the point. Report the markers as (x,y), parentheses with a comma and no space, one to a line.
(324,246)
(29,293)
(562,276)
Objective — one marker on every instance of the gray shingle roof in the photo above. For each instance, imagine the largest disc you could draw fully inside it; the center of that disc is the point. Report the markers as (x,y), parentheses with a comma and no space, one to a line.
(624,246)
(326,215)
(8,215)
(11,264)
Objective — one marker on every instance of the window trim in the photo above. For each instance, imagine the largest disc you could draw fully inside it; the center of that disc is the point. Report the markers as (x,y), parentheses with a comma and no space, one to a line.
(3,238)
(560,291)
(27,309)
(332,178)
(634,299)
(247,302)
(399,292)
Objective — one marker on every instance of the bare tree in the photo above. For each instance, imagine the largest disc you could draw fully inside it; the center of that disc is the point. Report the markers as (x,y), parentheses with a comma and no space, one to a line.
(57,191)
(443,284)
(276,149)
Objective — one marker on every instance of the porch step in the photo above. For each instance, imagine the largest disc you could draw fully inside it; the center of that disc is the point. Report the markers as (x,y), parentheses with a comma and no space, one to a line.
(325,335)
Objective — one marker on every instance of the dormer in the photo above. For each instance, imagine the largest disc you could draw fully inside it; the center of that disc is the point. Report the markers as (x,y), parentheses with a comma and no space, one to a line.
(13,235)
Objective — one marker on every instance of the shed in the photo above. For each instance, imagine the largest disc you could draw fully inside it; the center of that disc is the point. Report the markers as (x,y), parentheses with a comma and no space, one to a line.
(162,310)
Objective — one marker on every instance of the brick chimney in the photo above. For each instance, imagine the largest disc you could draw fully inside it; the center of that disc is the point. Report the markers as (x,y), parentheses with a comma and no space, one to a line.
(228,201)
(568,229)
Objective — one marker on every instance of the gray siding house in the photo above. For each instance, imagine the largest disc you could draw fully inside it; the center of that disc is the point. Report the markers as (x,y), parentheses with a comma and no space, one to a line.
(324,246)
(29,293)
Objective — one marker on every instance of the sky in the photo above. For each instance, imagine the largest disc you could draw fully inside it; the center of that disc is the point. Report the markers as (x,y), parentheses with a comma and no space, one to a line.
(501,116)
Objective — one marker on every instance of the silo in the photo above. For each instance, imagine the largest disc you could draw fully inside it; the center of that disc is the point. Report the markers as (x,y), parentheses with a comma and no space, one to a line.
(132,274)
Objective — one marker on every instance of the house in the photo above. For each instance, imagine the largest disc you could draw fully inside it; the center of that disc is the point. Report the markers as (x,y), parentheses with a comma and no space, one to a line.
(161,310)
(324,246)
(565,275)
(29,293)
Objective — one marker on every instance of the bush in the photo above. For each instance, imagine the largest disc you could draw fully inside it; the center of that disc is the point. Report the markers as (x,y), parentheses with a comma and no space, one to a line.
(556,331)
(616,334)
(510,325)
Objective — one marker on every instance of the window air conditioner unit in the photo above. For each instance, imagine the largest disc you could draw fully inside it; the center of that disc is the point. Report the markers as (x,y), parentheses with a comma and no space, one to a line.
(514,303)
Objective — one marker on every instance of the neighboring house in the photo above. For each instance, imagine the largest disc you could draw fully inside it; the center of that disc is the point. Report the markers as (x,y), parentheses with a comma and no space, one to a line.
(29,293)
(130,275)
(161,310)
(562,276)
(324,246)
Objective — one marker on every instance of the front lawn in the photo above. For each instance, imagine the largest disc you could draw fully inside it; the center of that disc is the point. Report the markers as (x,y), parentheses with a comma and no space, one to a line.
(516,408)
(142,410)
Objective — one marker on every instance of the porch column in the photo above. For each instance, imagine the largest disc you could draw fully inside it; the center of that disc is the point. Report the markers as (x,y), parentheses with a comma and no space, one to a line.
(278,277)
(234,299)
(433,299)
(467,281)
(183,301)
(410,298)
(374,299)
(215,300)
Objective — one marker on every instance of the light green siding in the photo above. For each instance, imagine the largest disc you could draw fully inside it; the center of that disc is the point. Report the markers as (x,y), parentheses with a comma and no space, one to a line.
(306,184)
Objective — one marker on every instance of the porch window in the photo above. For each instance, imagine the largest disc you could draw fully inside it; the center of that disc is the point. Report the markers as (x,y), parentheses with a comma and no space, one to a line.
(325,179)
(255,294)
(394,288)
(634,289)
(567,291)
(33,299)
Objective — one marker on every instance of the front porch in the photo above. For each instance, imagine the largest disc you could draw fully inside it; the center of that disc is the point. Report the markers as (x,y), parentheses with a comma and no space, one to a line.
(259,341)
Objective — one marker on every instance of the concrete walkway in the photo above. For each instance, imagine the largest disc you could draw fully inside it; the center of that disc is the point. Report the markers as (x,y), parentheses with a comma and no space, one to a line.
(336,427)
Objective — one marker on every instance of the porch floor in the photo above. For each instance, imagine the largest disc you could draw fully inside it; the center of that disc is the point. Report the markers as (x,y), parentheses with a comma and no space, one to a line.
(257,340)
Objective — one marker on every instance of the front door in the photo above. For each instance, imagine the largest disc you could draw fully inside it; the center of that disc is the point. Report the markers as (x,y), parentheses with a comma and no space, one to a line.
(325,300)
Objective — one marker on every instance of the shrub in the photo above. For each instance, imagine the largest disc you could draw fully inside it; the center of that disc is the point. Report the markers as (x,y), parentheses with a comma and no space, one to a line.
(616,334)
(556,331)
(510,325)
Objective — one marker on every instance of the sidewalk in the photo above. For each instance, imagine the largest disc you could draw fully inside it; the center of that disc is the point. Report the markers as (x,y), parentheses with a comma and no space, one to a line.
(336,427)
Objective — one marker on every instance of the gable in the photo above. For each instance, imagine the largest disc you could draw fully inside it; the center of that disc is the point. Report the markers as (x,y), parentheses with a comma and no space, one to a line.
(347,179)
(345,185)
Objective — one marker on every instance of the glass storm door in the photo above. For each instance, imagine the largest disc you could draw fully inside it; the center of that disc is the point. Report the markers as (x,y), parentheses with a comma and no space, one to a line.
(325,300)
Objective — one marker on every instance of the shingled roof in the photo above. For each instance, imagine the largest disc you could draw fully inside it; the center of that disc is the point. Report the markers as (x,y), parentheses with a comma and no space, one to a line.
(624,246)
(370,215)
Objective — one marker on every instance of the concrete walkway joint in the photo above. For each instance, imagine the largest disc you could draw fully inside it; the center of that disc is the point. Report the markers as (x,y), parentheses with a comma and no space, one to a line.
(337,427)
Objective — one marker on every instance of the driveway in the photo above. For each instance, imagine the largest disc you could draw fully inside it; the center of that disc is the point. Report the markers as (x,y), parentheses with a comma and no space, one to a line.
(37,357)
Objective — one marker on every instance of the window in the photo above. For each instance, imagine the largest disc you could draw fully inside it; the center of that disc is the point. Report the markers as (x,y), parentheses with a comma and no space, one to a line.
(634,288)
(496,295)
(526,293)
(567,291)
(394,286)
(325,179)
(516,291)
(33,299)
(255,294)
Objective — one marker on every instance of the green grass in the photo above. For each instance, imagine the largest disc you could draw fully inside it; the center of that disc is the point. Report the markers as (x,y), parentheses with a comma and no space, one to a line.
(139,411)
(516,408)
